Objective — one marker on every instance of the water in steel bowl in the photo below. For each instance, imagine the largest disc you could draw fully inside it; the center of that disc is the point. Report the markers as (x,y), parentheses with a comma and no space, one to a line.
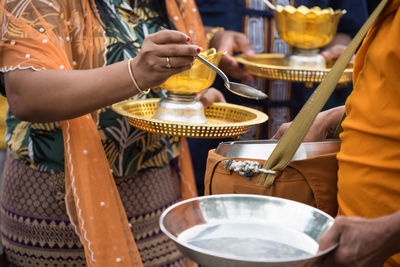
(250,240)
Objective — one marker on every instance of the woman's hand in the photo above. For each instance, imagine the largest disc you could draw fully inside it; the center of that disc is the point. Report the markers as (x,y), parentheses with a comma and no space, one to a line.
(362,242)
(163,54)
(54,95)
(231,42)
(209,96)
(323,127)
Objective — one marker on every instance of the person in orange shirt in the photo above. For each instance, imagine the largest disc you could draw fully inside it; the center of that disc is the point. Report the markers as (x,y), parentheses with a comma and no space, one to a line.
(368,225)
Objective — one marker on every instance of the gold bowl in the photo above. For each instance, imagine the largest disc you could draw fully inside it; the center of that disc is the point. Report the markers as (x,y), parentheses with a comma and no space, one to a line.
(307,28)
(198,78)
(181,105)
(275,67)
(223,119)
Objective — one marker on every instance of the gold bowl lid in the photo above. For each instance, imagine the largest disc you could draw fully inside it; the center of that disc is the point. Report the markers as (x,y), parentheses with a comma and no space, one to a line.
(305,27)
(196,79)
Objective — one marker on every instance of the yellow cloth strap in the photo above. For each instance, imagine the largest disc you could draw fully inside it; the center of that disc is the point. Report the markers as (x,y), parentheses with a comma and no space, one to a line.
(291,140)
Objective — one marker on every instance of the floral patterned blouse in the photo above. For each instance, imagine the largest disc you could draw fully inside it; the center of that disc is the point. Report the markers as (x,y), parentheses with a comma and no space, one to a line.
(128,149)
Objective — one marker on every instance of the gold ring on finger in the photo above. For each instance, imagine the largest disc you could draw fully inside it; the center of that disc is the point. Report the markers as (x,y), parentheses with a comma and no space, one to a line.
(168,65)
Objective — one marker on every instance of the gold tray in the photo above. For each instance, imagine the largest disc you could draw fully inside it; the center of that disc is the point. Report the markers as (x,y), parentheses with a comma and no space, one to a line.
(272,66)
(223,119)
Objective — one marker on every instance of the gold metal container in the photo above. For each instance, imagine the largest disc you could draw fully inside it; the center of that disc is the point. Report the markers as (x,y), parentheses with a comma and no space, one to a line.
(275,67)
(198,78)
(223,119)
(307,30)
(180,104)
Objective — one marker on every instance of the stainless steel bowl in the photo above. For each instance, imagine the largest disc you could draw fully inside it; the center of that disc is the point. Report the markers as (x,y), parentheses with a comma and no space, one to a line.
(305,59)
(180,108)
(262,149)
(246,230)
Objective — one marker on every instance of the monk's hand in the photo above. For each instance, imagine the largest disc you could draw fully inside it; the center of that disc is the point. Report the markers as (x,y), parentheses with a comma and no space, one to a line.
(231,42)
(362,242)
(323,127)
(163,54)
(333,52)
(336,47)
(209,96)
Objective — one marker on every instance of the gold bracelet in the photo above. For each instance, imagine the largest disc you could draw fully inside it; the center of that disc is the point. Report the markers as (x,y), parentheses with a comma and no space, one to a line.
(210,35)
(133,79)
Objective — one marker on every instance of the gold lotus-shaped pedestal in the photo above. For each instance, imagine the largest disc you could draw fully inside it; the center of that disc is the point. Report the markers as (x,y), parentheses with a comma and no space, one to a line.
(180,104)
(307,30)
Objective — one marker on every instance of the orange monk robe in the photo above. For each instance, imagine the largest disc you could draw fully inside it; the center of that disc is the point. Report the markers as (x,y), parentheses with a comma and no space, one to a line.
(369,159)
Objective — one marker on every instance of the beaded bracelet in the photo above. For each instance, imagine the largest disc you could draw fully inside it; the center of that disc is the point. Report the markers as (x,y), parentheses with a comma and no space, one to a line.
(210,35)
(134,80)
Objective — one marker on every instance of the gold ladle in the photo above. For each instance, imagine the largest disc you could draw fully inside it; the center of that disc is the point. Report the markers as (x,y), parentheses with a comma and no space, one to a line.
(236,88)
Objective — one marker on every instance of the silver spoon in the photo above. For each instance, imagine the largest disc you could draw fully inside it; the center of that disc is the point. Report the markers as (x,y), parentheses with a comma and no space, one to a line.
(236,88)
(269,4)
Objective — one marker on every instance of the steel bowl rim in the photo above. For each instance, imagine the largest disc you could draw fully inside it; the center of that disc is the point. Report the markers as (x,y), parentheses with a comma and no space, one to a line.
(218,255)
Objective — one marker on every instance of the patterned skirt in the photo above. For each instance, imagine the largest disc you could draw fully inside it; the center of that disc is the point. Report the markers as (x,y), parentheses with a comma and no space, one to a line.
(36,230)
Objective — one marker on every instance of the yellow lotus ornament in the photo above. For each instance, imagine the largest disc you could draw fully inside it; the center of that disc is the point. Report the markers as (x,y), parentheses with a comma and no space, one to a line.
(307,30)
(305,27)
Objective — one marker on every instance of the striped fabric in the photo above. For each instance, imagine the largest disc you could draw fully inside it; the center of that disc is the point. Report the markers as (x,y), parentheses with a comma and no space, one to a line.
(36,230)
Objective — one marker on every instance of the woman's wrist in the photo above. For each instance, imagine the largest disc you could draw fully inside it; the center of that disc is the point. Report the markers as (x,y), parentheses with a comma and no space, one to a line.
(135,83)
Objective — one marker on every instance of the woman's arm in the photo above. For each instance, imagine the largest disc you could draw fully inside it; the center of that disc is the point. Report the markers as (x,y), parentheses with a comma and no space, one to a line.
(53,95)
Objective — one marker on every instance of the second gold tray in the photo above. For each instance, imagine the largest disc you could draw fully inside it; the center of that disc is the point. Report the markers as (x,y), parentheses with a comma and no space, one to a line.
(223,119)
(272,66)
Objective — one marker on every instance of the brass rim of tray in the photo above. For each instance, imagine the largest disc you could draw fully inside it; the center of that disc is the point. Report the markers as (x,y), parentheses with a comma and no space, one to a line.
(274,69)
(223,119)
